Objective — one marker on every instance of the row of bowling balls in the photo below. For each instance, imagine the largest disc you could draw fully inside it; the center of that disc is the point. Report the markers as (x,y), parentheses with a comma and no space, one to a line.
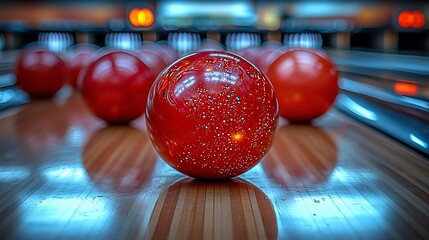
(211,114)
(305,80)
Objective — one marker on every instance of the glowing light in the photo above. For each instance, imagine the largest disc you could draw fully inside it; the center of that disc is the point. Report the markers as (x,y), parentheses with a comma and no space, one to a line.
(7,95)
(184,43)
(357,108)
(141,17)
(406,88)
(182,86)
(237,137)
(216,76)
(171,9)
(125,41)
(60,173)
(418,140)
(411,19)
(325,9)
(13,174)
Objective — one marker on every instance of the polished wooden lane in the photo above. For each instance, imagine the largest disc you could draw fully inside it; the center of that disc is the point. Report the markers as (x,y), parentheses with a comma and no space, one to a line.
(65,174)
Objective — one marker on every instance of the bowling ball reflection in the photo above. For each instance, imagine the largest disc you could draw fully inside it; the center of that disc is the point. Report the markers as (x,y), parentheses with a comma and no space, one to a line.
(119,158)
(41,125)
(79,114)
(192,209)
(301,155)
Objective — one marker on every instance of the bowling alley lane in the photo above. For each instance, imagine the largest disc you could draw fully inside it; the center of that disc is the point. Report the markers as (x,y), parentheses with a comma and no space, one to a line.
(66,174)
(360,171)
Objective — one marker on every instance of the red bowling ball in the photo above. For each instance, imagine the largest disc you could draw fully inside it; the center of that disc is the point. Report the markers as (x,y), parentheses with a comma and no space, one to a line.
(212,115)
(267,57)
(306,84)
(40,72)
(167,54)
(152,60)
(115,87)
(79,57)
(250,53)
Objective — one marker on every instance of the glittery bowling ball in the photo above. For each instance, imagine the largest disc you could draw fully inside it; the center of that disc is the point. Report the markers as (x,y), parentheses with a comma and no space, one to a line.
(212,115)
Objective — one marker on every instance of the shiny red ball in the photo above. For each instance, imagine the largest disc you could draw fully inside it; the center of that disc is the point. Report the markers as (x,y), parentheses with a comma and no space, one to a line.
(77,60)
(40,72)
(152,60)
(306,83)
(212,115)
(115,86)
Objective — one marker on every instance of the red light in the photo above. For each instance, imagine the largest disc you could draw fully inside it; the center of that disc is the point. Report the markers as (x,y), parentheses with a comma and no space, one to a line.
(419,19)
(141,17)
(411,19)
(406,88)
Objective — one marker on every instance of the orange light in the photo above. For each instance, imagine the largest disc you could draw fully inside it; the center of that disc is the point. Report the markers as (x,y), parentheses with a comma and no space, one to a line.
(133,17)
(411,19)
(237,137)
(419,19)
(405,88)
(141,17)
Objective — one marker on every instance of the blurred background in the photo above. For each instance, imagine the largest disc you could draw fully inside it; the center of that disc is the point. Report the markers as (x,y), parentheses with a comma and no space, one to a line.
(381,26)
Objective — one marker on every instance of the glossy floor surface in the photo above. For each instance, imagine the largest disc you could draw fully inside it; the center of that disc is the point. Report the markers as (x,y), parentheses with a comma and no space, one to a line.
(65,174)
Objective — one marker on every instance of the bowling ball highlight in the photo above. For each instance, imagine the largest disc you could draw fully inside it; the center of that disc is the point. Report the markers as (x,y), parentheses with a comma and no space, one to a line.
(306,84)
(212,115)
(115,87)
(39,72)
